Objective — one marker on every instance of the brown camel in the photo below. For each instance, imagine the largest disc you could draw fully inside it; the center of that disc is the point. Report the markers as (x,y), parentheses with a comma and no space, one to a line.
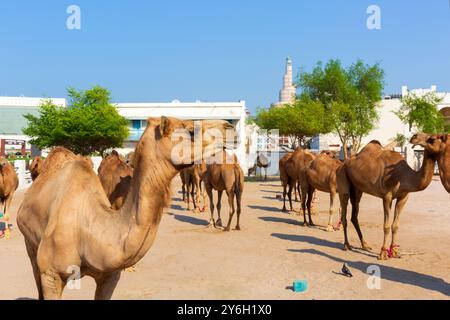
(36,167)
(386,175)
(321,175)
(115,176)
(288,178)
(227,177)
(69,228)
(438,145)
(192,184)
(9,182)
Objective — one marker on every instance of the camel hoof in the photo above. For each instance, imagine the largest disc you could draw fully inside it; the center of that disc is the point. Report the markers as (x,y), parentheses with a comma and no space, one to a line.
(384,255)
(365,247)
(238,228)
(347,247)
(395,253)
(330,228)
(219,223)
(130,269)
(284,210)
(227,229)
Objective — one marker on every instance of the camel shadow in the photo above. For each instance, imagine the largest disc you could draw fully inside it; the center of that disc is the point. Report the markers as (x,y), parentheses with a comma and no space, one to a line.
(177,207)
(191,220)
(263,208)
(273,198)
(308,239)
(26,299)
(281,220)
(390,273)
(271,191)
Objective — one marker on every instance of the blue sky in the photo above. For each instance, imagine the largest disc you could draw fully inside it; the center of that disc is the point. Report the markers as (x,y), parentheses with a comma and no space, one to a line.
(221,50)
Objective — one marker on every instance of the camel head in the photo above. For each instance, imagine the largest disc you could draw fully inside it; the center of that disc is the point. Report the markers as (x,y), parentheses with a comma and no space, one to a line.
(185,142)
(433,143)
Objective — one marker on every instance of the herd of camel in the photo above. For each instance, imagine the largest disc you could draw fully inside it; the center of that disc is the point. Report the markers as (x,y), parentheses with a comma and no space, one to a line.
(100,224)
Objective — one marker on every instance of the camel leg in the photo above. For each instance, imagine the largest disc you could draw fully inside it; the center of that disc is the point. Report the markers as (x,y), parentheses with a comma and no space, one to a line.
(400,204)
(344,197)
(188,186)
(356,199)
(197,195)
(238,202)
(52,285)
(290,196)
(203,191)
(183,190)
(193,195)
(330,227)
(303,198)
(387,204)
(230,194)
(106,284)
(284,197)
(308,204)
(219,206)
(211,204)
(37,274)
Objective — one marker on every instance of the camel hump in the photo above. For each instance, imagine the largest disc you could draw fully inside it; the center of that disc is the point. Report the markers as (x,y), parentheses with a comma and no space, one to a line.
(376,142)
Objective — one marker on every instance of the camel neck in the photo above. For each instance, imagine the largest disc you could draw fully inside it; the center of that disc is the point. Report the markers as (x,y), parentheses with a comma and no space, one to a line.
(420,180)
(149,194)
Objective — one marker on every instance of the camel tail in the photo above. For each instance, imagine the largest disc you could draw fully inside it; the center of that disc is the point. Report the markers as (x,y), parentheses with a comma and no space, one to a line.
(238,179)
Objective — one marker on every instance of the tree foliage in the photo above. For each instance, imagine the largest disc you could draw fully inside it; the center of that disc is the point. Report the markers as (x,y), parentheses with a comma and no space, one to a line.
(299,121)
(423,113)
(349,96)
(88,125)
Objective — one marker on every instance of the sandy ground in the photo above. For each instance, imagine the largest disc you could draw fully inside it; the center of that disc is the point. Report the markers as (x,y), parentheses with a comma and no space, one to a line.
(191,261)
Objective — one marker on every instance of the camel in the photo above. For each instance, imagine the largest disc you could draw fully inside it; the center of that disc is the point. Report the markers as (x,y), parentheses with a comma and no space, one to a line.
(384,174)
(69,228)
(227,177)
(287,179)
(36,167)
(57,157)
(321,175)
(9,182)
(115,176)
(438,145)
(192,184)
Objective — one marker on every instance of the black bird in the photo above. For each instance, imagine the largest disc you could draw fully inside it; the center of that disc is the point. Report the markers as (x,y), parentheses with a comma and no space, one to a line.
(346,271)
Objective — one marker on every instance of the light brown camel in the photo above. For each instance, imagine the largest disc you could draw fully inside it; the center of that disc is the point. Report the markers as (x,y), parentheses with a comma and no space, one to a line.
(69,228)
(36,167)
(321,175)
(9,182)
(115,176)
(227,177)
(289,178)
(383,174)
(192,184)
(54,161)
(438,145)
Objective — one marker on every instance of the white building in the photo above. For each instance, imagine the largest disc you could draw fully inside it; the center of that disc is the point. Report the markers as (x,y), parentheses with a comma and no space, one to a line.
(389,124)
(138,113)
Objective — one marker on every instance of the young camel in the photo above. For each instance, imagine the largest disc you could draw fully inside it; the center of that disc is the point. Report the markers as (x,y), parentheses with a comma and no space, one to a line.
(69,226)
(227,177)
(321,175)
(9,182)
(386,175)
(115,176)
(192,184)
(438,145)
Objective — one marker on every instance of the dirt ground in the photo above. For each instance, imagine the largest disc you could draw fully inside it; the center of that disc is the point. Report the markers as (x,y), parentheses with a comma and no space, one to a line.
(191,261)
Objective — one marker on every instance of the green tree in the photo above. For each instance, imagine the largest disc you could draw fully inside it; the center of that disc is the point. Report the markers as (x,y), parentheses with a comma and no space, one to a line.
(422,112)
(350,97)
(299,121)
(88,125)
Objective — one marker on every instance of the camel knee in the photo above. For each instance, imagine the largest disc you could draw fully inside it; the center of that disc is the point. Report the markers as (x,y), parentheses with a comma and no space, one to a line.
(387,230)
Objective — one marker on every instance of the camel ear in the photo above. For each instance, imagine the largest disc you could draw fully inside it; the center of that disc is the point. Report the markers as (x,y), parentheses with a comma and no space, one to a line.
(165,126)
(444,137)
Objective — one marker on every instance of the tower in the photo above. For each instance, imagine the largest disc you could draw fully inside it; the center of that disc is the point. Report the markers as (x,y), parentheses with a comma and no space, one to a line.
(288,92)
